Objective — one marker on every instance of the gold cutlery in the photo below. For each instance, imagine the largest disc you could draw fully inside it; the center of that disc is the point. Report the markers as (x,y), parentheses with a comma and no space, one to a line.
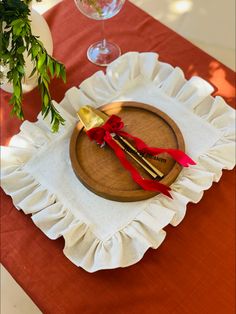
(91,118)
(105,117)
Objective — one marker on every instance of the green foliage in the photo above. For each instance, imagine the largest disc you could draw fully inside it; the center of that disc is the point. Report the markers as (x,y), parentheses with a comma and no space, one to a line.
(15,39)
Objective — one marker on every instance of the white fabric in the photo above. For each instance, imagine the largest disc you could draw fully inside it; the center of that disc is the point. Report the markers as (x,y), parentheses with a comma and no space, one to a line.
(99,233)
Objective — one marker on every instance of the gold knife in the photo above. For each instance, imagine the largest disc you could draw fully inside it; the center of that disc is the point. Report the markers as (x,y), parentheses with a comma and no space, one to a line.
(90,118)
(105,117)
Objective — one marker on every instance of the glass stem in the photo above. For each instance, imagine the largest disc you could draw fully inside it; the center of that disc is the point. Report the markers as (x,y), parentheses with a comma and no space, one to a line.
(103,35)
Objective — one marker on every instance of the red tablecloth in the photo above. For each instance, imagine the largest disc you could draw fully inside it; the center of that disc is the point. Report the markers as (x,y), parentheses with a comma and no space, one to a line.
(193,270)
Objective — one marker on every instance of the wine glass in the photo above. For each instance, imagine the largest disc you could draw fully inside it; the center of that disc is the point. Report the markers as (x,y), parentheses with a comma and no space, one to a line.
(102,52)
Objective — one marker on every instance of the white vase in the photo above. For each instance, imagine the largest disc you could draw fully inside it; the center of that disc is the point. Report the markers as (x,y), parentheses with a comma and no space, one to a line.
(39,28)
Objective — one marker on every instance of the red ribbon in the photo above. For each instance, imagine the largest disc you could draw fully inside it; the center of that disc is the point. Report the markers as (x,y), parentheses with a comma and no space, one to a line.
(114,125)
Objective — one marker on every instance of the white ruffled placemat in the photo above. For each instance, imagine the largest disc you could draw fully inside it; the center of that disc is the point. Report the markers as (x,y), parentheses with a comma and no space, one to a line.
(99,233)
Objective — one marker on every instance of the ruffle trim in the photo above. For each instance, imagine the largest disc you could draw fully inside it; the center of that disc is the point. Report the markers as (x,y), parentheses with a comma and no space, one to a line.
(82,247)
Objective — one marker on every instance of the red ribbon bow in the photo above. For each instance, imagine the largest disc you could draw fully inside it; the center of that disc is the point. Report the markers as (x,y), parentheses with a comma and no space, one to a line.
(114,125)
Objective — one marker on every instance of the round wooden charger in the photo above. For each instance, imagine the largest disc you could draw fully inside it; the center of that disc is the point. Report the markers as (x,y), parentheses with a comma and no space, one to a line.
(101,171)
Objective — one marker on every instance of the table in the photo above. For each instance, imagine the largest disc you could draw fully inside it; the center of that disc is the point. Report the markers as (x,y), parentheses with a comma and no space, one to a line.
(193,270)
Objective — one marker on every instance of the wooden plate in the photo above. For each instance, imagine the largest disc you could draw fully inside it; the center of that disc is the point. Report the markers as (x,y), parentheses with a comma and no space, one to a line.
(101,171)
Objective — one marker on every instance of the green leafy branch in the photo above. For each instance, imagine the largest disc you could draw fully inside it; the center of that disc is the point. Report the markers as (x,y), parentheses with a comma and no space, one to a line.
(16,39)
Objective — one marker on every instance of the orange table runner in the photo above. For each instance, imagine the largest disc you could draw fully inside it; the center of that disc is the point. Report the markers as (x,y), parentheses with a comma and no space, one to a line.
(186,274)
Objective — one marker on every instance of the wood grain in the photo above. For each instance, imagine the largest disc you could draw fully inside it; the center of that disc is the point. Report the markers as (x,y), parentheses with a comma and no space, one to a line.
(101,171)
